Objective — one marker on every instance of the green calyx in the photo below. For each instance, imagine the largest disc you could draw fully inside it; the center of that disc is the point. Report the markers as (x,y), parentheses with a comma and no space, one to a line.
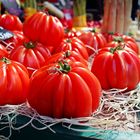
(29,45)
(113,50)
(64,66)
(118,39)
(67,54)
(5,60)
(68,40)
(93,30)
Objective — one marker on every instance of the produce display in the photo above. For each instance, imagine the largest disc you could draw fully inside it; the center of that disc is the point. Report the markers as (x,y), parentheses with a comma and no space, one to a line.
(85,76)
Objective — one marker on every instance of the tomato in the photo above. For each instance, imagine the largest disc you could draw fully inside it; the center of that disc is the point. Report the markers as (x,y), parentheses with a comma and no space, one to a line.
(110,36)
(31,55)
(71,33)
(66,56)
(124,41)
(3,51)
(14,82)
(62,90)
(94,39)
(11,22)
(73,44)
(44,28)
(117,68)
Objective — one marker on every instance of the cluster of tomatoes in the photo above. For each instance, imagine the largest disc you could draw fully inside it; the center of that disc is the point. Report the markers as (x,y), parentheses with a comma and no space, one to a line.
(49,68)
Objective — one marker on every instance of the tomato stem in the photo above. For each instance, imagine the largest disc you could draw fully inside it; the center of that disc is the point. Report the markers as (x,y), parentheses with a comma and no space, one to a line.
(93,30)
(68,40)
(29,45)
(64,67)
(118,39)
(67,54)
(5,60)
(113,50)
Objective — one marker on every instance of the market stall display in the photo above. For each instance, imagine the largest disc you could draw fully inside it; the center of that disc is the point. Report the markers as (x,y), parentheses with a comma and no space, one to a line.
(72,82)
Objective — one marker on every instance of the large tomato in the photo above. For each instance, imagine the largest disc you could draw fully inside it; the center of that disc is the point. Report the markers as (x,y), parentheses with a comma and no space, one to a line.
(117,68)
(44,28)
(94,39)
(66,56)
(64,91)
(10,22)
(124,41)
(31,55)
(14,82)
(73,44)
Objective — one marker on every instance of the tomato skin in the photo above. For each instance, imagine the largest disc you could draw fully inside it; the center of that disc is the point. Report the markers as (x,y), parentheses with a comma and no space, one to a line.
(59,95)
(32,58)
(120,69)
(3,51)
(73,44)
(14,83)
(11,22)
(94,39)
(44,28)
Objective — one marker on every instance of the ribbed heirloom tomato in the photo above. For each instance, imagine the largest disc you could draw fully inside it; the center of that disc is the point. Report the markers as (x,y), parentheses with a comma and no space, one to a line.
(63,90)
(44,28)
(32,55)
(124,41)
(117,68)
(92,38)
(11,22)
(66,56)
(73,44)
(14,82)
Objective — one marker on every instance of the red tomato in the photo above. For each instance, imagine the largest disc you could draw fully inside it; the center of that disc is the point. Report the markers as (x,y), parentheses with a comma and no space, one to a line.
(94,39)
(68,55)
(73,44)
(71,33)
(127,42)
(11,22)
(44,28)
(63,91)
(14,82)
(110,36)
(117,68)
(33,56)
(3,51)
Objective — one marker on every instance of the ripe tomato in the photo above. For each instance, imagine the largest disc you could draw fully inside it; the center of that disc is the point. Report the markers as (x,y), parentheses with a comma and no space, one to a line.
(63,90)
(124,41)
(94,39)
(110,36)
(44,28)
(11,22)
(73,44)
(14,82)
(117,68)
(31,55)
(71,33)
(66,56)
